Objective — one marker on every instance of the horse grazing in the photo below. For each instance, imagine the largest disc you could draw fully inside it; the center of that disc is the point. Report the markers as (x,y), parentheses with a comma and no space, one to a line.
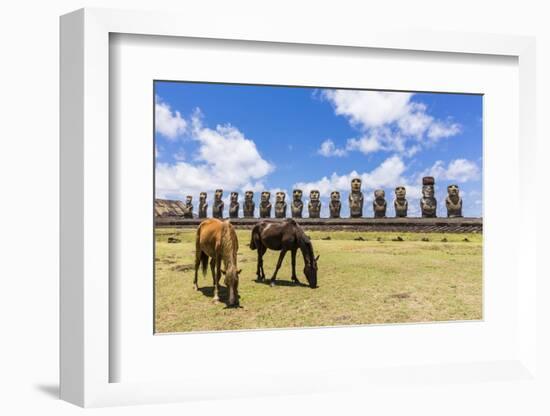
(284,236)
(217,240)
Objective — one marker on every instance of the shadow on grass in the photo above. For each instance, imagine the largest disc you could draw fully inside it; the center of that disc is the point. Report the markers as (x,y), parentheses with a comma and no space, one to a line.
(223,293)
(280,282)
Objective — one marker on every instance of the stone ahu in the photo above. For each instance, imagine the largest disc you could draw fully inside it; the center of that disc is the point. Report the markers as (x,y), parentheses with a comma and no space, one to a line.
(265,205)
(234,205)
(297,205)
(356,199)
(249,205)
(335,205)
(400,202)
(428,203)
(379,204)
(188,207)
(203,205)
(217,208)
(314,205)
(280,205)
(453,202)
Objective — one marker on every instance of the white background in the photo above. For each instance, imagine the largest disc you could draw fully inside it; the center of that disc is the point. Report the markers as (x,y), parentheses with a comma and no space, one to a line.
(29,209)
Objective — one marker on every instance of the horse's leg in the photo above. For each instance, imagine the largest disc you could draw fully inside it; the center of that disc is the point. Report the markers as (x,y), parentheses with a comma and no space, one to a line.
(259,264)
(218,277)
(197,265)
(260,272)
(294,277)
(214,275)
(279,262)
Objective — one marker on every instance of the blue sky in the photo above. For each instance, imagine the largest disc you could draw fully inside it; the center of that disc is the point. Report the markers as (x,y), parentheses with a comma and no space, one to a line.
(241,137)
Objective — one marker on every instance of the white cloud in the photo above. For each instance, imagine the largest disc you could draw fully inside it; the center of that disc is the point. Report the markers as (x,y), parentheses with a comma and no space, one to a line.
(366,144)
(328,149)
(167,122)
(389,121)
(459,170)
(441,130)
(369,108)
(387,175)
(225,159)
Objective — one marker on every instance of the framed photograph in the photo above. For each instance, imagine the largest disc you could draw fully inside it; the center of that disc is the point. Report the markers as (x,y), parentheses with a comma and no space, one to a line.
(279,208)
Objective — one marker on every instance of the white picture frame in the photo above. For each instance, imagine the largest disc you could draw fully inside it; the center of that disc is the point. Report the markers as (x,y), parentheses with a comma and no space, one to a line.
(86,356)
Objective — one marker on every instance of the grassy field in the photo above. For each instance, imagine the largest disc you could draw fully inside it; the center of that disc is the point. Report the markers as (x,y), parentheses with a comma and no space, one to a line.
(377,280)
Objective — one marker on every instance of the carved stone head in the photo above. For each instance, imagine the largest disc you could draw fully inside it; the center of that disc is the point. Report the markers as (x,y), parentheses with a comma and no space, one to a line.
(335,196)
(400,192)
(234,196)
(248,195)
(280,196)
(218,195)
(379,194)
(188,199)
(453,190)
(202,197)
(297,194)
(356,185)
(265,196)
(428,191)
(314,195)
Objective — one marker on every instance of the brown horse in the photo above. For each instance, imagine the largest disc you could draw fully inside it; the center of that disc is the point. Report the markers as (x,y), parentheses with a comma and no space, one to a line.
(217,240)
(284,236)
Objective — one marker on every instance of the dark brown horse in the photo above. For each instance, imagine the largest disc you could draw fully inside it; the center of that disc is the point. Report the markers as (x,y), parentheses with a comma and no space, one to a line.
(217,240)
(284,236)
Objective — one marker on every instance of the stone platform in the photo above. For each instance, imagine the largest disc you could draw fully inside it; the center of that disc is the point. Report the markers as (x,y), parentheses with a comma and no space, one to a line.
(420,225)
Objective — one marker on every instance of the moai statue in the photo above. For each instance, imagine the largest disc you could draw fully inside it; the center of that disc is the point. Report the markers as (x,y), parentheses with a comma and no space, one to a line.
(400,202)
(314,205)
(453,202)
(297,205)
(234,205)
(265,205)
(203,205)
(188,208)
(356,199)
(249,205)
(428,203)
(280,205)
(379,204)
(335,205)
(217,208)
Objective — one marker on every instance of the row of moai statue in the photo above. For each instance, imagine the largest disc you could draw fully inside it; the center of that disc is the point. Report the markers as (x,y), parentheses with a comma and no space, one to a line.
(428,203)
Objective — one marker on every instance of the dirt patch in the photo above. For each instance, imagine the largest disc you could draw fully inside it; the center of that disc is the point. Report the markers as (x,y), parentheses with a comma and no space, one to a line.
(400,295)
(183,268)
(173,240)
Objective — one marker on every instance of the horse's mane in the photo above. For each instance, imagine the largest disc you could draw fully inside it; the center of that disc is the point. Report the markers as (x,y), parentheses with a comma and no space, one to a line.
(229,242)
(305,245)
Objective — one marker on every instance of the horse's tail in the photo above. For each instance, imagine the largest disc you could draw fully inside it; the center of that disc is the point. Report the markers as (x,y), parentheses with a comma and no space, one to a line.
(253,234)
(200,256)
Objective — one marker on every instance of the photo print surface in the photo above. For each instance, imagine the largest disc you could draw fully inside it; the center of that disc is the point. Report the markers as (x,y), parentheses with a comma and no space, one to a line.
(290,207)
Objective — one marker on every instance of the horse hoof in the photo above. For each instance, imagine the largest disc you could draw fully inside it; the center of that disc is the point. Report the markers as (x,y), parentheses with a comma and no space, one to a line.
(216,300)
(195,287)
(272,284)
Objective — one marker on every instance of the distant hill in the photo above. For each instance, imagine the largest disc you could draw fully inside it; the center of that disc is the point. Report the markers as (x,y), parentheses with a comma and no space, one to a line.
(169,208)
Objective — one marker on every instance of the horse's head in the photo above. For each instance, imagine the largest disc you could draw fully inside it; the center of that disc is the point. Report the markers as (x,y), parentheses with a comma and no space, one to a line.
(310,270)
(310,262)
(232,283)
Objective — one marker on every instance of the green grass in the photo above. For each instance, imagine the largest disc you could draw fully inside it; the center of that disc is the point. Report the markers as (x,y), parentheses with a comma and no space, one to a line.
(360,282)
